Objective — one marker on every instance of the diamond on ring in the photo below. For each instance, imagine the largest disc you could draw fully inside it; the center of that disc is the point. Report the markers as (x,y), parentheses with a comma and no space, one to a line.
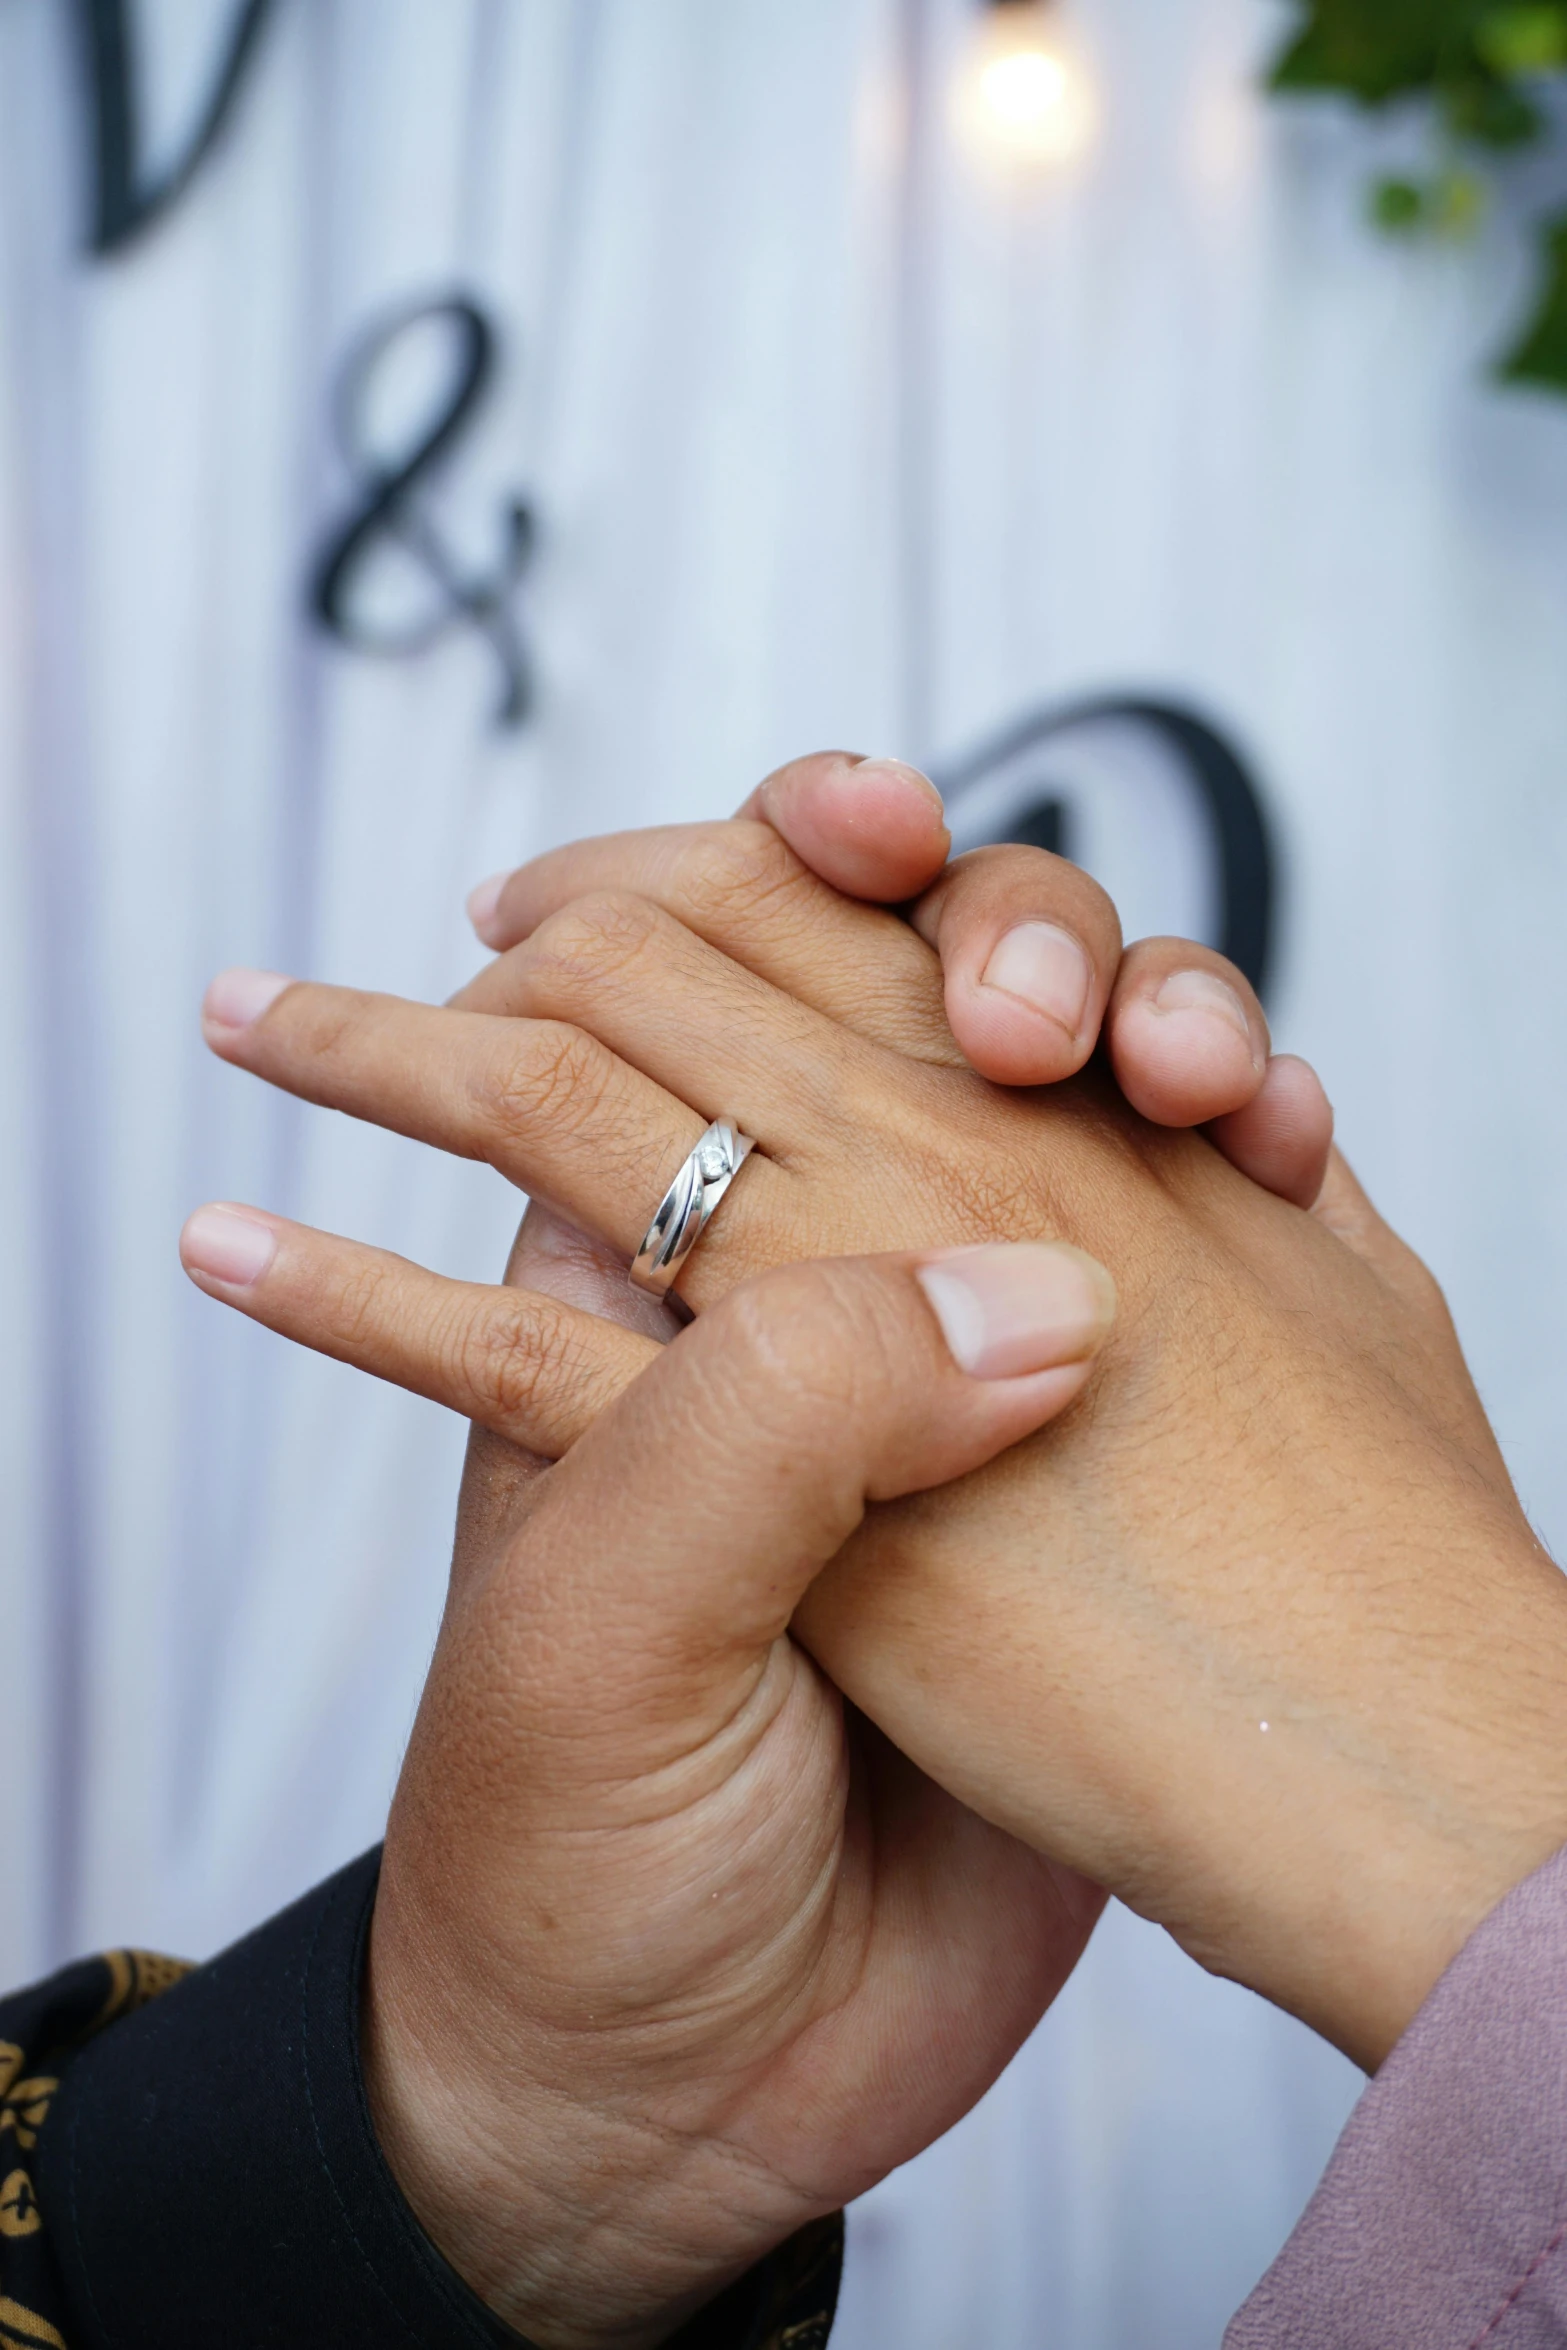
(712,1160)
(683,1212)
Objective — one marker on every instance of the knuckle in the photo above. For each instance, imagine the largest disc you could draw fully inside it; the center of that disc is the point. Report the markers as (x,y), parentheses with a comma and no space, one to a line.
(593,938)
(741,869)
(505,1358)
(1425,1292)
(1014,862)
(360,1302)
(550,1075)
(334,1025)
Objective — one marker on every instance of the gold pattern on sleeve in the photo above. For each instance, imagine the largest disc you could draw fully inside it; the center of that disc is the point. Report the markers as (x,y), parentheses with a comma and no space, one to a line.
(51,2022)
(804,2287)
(26,2110)
(19,2325)
(135,1978)
(19,2213)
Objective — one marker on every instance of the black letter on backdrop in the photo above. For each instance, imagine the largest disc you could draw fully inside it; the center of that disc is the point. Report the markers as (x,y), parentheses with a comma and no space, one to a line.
(390,511)
(125,200)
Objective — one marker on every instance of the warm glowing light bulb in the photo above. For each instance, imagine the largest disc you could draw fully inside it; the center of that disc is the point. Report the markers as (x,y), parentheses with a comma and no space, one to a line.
(1025,91)
(1025,99)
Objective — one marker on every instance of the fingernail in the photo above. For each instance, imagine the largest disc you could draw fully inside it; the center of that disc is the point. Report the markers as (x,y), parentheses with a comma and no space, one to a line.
(1045,967)
(1018,1306)
(237,998)
(483,901)
(227,1245)
(1201,991)
(1199,995)
(902,772)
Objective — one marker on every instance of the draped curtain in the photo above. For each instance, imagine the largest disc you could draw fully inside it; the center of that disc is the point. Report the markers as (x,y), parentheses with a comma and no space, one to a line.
(831,437)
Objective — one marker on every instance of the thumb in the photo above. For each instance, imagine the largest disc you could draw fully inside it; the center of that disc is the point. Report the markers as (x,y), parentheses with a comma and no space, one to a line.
(666,1554)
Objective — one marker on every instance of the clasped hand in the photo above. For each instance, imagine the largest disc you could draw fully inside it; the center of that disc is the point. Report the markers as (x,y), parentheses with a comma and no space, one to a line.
(675,1949)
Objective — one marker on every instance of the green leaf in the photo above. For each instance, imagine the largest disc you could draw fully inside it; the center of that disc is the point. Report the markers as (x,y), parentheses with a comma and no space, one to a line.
(1372,53)
(1471,53)
(1399,206)
(1492,113)
(1457,202)
(1540,357)
(1450,204)
(1523,40)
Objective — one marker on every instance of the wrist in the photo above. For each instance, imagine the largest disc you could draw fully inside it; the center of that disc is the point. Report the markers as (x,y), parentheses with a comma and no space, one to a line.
(1438,1812)
(568,2217)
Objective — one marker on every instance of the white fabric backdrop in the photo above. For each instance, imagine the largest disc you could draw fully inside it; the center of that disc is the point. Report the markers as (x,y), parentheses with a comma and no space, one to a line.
(832,440)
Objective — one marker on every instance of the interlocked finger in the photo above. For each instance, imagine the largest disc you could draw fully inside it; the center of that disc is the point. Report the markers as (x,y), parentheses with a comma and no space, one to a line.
(706,1027)
(745,892)
(1028,944)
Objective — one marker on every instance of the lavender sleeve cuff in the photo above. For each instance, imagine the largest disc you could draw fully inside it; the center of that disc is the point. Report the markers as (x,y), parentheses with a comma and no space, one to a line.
(1441,2222)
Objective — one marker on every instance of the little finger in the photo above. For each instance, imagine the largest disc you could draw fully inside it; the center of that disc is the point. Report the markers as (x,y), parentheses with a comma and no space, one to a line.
(1283,1136)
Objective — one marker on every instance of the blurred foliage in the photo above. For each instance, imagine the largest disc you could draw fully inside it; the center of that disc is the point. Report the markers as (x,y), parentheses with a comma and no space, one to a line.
(1485,69)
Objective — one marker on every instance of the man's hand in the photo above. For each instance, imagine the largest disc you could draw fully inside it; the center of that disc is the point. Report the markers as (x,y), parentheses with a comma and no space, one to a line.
(672,1952)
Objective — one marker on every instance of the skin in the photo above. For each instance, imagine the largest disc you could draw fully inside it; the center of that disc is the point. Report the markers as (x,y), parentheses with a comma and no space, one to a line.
(883,2010)
(1256,1635)
(873,830)
(672,1952)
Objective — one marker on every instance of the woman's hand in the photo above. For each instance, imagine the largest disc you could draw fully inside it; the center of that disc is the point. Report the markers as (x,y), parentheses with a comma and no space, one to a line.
(767,888)
(1030,947)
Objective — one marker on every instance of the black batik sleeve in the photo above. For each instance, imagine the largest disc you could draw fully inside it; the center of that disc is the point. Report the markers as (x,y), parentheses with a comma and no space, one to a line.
(187,2160)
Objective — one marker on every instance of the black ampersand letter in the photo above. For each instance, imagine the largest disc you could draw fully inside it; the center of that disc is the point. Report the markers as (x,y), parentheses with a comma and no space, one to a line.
(125,199)
(391,510)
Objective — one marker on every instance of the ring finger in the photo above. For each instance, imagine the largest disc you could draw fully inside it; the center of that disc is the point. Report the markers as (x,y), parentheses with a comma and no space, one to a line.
(548,1106)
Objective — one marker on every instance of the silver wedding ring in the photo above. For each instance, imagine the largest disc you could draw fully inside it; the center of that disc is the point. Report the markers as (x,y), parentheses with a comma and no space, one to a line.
(684,1210)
